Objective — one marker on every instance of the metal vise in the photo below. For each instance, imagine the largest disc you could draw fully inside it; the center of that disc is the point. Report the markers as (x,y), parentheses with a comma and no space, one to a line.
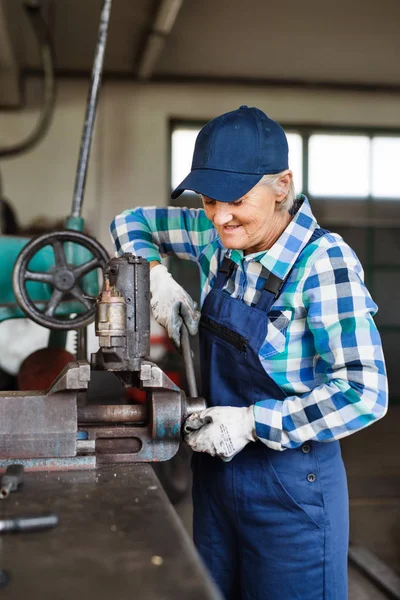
(58,429)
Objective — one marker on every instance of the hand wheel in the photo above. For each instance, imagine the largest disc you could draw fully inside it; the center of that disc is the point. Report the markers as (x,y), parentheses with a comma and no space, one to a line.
(64,278)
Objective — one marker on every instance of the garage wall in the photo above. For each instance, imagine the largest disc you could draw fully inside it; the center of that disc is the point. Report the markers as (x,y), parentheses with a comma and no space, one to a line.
(129,161)
(40,182)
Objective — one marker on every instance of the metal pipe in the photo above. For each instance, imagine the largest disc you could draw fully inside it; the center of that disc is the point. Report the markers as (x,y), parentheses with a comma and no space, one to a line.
(91,107)
(41,31)
(30,523)
(166,16)
(81,343)
(124,413)
(187,359)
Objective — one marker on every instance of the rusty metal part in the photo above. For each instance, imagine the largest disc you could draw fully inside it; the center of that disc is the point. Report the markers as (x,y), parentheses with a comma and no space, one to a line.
(110,294)
(118,444)
(111,317)
(159,436)
(11,480)
(40,368)
(152,449)
(75,376)
(117,459)
(124,330)
(37,425)
(167,409)
(114,413)
(85,446)
(151,376)
(159,440)
(93,432)
(123,445)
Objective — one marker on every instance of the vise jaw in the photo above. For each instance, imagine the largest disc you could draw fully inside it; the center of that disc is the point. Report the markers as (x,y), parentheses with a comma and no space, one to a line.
(43,424)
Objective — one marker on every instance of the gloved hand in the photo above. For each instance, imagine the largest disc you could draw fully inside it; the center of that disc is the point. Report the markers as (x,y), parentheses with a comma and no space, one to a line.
(171,304)
(221,431)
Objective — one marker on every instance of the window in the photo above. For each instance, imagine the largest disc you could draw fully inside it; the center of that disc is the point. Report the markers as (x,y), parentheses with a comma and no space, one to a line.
(335,163)
(339,165)
(385,167)
(295,142)
(182,146)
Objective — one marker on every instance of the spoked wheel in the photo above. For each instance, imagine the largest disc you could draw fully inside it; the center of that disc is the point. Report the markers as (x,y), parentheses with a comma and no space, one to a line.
(64,279)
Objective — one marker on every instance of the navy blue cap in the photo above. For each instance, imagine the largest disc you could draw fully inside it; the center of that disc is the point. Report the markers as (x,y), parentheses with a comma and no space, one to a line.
(233,152)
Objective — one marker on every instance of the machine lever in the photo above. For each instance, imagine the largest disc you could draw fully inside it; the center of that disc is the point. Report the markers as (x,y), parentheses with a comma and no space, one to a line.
(11,479)
(188,360)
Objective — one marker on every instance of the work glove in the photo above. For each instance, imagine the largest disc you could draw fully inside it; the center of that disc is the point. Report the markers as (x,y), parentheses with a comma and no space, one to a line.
(171,304)
(221,431)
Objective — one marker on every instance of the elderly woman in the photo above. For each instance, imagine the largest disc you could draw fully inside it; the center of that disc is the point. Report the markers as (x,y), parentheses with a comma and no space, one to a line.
(291,361)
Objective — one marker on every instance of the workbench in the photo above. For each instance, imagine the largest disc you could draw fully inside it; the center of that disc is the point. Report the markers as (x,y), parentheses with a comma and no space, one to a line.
(118,537)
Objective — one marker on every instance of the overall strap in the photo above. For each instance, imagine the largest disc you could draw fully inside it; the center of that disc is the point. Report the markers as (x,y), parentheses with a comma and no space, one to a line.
(224,272)
(270,292)
(273,286)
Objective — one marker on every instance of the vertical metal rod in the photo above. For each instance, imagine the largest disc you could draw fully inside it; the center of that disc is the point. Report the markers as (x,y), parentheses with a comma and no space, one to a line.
(187,359)
(91,106)
(81,343)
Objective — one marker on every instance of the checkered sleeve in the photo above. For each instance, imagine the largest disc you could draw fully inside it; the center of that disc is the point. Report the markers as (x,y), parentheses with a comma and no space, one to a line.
(349,369)
(154,232)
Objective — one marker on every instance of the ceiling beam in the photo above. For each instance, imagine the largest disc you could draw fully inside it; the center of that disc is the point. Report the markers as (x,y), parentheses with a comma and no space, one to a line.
(163,23)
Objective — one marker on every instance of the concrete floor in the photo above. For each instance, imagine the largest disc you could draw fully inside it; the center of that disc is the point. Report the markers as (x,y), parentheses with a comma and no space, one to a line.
(372,461)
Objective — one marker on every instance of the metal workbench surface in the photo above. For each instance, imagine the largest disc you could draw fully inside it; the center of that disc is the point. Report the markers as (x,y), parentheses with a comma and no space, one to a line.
(118,537)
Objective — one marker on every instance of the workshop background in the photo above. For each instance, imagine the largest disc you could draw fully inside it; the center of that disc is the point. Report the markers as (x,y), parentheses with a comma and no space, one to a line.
(328,72)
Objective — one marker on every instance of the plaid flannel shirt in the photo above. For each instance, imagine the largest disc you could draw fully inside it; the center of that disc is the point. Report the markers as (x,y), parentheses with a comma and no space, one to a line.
(324,351)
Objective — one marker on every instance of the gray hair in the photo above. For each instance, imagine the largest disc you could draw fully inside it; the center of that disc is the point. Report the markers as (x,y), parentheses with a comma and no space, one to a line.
(272,181)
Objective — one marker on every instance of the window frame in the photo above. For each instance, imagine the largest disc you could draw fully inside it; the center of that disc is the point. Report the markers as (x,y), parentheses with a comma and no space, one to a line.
(306,131)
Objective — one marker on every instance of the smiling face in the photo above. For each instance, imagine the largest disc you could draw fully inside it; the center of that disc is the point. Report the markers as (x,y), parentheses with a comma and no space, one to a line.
(252,223)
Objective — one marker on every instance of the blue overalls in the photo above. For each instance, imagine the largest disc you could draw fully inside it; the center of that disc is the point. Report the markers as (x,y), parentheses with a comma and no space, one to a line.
(269,525)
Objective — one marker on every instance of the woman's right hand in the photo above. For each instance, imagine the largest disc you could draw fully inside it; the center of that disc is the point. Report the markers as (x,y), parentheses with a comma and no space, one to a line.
(171,304)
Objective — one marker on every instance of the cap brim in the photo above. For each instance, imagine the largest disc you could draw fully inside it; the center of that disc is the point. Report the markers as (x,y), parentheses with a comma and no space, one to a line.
(223,186)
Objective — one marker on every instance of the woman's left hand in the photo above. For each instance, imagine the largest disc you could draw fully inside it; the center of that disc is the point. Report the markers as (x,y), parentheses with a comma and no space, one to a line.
(221,431)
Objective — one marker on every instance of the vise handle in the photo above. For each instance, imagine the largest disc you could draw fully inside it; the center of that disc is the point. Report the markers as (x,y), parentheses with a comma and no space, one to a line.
(188,361)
